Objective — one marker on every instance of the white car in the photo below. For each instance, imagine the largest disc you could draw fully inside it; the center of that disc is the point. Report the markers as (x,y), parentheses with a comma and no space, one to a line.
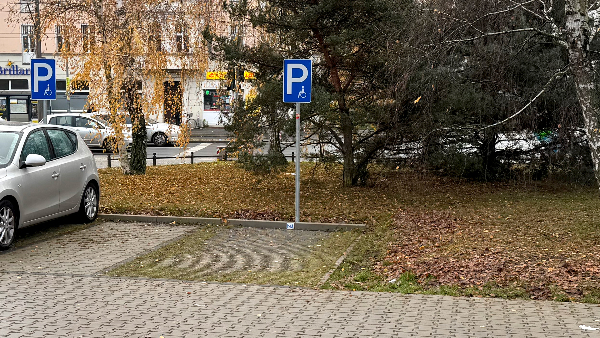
(94,131)
(160,134)
(46,172)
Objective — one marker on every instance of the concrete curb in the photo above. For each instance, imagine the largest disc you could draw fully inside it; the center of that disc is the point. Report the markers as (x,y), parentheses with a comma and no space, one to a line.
(238,222)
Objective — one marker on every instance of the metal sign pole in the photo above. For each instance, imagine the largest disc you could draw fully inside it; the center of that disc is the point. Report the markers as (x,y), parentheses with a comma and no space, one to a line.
(298,162)
(297,87)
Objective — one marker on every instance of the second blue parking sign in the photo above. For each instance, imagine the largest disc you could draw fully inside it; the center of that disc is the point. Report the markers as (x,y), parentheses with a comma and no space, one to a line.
(297,80)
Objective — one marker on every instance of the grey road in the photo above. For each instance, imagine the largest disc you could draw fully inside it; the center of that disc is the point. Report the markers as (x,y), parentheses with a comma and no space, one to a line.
(57,288)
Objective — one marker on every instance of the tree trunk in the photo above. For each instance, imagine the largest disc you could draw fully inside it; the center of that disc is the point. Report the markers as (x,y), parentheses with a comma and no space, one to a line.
(583,75)
(578,36)
(138,125)
(350,177)
(489,156)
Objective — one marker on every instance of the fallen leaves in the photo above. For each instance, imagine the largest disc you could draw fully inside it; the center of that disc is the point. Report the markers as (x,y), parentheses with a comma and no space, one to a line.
(447,231)
(458,252)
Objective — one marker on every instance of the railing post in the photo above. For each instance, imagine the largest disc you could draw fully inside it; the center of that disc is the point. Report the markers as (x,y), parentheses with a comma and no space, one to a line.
(192,157)
(154,159)
(109,161)
(293,157)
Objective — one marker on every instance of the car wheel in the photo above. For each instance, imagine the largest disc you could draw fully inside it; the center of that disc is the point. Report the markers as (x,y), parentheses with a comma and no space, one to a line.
(88,209)
(159,139)
(8,224)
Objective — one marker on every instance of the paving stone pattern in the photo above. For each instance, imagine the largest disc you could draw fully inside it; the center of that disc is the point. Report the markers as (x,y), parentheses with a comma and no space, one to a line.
(90,250)
(242,249)
(66,298)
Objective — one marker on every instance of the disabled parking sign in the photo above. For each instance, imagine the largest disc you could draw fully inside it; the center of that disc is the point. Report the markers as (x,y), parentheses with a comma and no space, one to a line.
(297,80)
(43,79)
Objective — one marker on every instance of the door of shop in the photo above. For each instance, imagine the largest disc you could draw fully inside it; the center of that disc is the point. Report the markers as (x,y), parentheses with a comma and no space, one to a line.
(17,108)
(173,102)
(3,108)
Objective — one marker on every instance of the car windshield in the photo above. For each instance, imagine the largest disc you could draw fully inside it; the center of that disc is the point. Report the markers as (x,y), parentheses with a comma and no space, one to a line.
(8,144)
(101,120)
(105,118)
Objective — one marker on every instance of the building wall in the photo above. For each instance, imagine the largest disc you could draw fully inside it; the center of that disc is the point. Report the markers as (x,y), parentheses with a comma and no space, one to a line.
(13,59)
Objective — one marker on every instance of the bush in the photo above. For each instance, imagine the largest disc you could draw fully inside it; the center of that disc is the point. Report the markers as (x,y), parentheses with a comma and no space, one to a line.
(458,164)
(262,163)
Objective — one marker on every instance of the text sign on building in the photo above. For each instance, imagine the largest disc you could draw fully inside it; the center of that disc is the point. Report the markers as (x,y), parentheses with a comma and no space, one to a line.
(297,80)
(43,79)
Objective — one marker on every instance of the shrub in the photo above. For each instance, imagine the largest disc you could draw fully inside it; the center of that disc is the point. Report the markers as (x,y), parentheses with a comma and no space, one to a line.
(262,163)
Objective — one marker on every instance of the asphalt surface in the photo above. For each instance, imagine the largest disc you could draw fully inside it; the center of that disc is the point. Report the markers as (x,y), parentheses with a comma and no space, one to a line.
(57,288)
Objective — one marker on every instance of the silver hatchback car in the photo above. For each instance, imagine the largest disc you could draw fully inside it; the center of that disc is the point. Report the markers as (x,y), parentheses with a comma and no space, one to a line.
(45,172)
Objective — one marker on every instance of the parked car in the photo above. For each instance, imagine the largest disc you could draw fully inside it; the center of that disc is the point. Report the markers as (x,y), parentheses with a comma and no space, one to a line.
(46,172)
(95,131)
(160,134)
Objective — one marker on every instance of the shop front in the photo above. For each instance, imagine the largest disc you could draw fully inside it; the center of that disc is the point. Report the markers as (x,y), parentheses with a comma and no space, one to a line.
(15,96)
(17,108)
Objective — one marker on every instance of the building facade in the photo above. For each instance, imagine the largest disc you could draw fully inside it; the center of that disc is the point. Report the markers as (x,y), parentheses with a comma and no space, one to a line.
(203,97)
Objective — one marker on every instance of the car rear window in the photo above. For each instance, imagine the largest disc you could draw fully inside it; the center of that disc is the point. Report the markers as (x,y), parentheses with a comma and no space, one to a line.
(62,121)
(61,142)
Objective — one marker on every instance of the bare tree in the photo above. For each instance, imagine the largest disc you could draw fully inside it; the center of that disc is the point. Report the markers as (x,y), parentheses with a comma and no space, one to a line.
(570,24)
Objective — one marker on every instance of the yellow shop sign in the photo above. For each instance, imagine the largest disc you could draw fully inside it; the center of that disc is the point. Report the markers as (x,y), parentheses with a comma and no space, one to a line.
(216,75)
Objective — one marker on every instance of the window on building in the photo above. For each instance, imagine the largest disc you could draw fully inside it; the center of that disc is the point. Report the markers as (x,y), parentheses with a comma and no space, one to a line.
(27,6)
(14,84)
(214,101)
(155,38)
(61,85)
(236,33)
(19,84)
(182,41)
(60,40)
(88,33)
(79,87)
(27,36)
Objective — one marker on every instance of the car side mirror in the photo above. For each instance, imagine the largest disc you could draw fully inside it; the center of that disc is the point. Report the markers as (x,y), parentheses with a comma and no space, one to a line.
(33,160)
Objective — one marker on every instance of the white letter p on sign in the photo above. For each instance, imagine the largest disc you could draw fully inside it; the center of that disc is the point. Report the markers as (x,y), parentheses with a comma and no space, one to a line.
(39,78)
(291,79)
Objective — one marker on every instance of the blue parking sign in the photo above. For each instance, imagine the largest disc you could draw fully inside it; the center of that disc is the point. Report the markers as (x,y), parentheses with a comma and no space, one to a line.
(297,80)
(43,79)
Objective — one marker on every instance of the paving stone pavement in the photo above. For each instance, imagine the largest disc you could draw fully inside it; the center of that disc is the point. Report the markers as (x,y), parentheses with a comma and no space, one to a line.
(69,299)
(90,250)
(241,249)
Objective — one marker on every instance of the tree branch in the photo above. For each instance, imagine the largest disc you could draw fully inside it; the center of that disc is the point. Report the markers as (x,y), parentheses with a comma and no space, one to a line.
(546,86)
(520,30)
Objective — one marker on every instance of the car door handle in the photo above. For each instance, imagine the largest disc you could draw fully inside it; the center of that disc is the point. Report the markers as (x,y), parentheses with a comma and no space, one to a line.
(82,167)
(55,175)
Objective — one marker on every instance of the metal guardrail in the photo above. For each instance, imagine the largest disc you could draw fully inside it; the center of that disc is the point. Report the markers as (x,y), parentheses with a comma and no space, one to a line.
(154,158)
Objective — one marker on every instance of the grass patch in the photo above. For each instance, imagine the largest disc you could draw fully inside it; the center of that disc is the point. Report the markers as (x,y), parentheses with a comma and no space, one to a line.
(176,261)
(434,235)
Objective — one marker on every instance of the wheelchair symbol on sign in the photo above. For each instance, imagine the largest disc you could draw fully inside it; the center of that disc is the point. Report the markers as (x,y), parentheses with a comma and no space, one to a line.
(302,93)
(47,92)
